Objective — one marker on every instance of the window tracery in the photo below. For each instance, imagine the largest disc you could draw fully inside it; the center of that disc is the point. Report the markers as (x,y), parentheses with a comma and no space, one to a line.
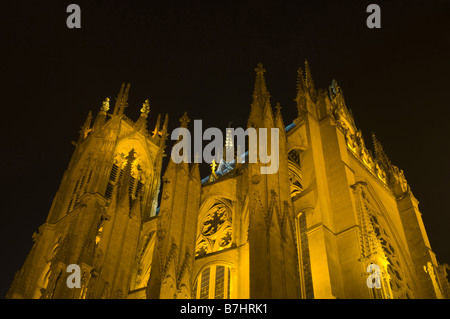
(295,173)
(378,248)
(138,176)
(215,229)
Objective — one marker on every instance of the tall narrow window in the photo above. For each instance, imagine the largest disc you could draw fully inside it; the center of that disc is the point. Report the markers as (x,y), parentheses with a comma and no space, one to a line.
(295,173)
(213,283)
(72,202)
(114,176)
(204,287)
(303,254)
(88,181)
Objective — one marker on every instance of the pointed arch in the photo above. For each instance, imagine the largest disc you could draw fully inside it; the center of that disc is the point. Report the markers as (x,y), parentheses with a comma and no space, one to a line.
(380,244)
(215,228)
(214,281)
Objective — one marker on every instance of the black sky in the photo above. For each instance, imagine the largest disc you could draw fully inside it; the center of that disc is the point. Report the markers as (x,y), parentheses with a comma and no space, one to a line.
(199,56)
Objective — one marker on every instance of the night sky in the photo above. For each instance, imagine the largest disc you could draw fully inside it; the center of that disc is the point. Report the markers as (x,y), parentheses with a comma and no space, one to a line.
(199,56)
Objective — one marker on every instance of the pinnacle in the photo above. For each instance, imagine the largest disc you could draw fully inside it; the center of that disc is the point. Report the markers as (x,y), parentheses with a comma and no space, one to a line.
(184,120)
(260,91)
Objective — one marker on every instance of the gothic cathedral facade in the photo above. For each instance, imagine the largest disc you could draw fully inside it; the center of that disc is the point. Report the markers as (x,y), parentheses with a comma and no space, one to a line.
(311,230)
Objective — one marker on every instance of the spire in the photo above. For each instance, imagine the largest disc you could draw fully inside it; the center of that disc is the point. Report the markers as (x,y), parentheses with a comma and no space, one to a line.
(229,145)
(86,128)
(157,125)
(260,92)
(121,100)
(308,79)
(166,123)
(261,97)
(301,86)
(184,120)
(87,122)
(164,132)
(279,118)
(124,99)
(379,153)
(305,88)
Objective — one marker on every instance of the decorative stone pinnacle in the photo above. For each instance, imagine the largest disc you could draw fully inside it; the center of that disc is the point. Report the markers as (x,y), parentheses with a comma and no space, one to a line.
(145,107)
(213,168)
(184,120)
(278,107)
(260,69)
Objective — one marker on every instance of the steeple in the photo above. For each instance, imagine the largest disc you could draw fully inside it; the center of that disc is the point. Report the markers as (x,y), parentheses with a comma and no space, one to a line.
(121,100)
(260,93)
(229,145)
(162,142)
(309,82)
(380,154)
(261,98)
(184,120)
(86,128)
(157,125)
(278,121)
(301,86)
(305,86)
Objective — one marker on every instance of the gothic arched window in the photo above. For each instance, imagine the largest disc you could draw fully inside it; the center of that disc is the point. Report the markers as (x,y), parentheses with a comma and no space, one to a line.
(214,282)
(295,173)
(379,248)
(215,228)
(137,178)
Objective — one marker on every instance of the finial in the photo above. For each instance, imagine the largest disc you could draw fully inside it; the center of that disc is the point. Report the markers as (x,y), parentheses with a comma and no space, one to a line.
(334,89)
(184,120)
(119,99)
(308,76)
(213,169)
(260,83)
(229,138)
(122,100)
(300,79)
(145,107)
(157,125)
(278,107)
(105,105)
(260,69)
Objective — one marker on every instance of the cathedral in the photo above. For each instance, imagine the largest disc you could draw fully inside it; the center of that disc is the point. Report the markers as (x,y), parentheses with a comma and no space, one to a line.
(338,220)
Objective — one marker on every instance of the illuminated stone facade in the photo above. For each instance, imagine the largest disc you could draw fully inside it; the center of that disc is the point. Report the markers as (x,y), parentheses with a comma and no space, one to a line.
(308,231)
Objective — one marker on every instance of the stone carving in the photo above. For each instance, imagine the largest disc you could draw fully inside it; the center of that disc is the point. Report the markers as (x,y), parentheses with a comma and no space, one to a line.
(105,105)
(429,269)
(215,229)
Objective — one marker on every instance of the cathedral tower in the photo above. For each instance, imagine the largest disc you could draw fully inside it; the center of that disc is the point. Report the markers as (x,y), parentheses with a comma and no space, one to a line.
(108,193)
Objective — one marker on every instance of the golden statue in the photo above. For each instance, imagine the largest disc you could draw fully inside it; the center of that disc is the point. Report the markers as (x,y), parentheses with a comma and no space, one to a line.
(105,106)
